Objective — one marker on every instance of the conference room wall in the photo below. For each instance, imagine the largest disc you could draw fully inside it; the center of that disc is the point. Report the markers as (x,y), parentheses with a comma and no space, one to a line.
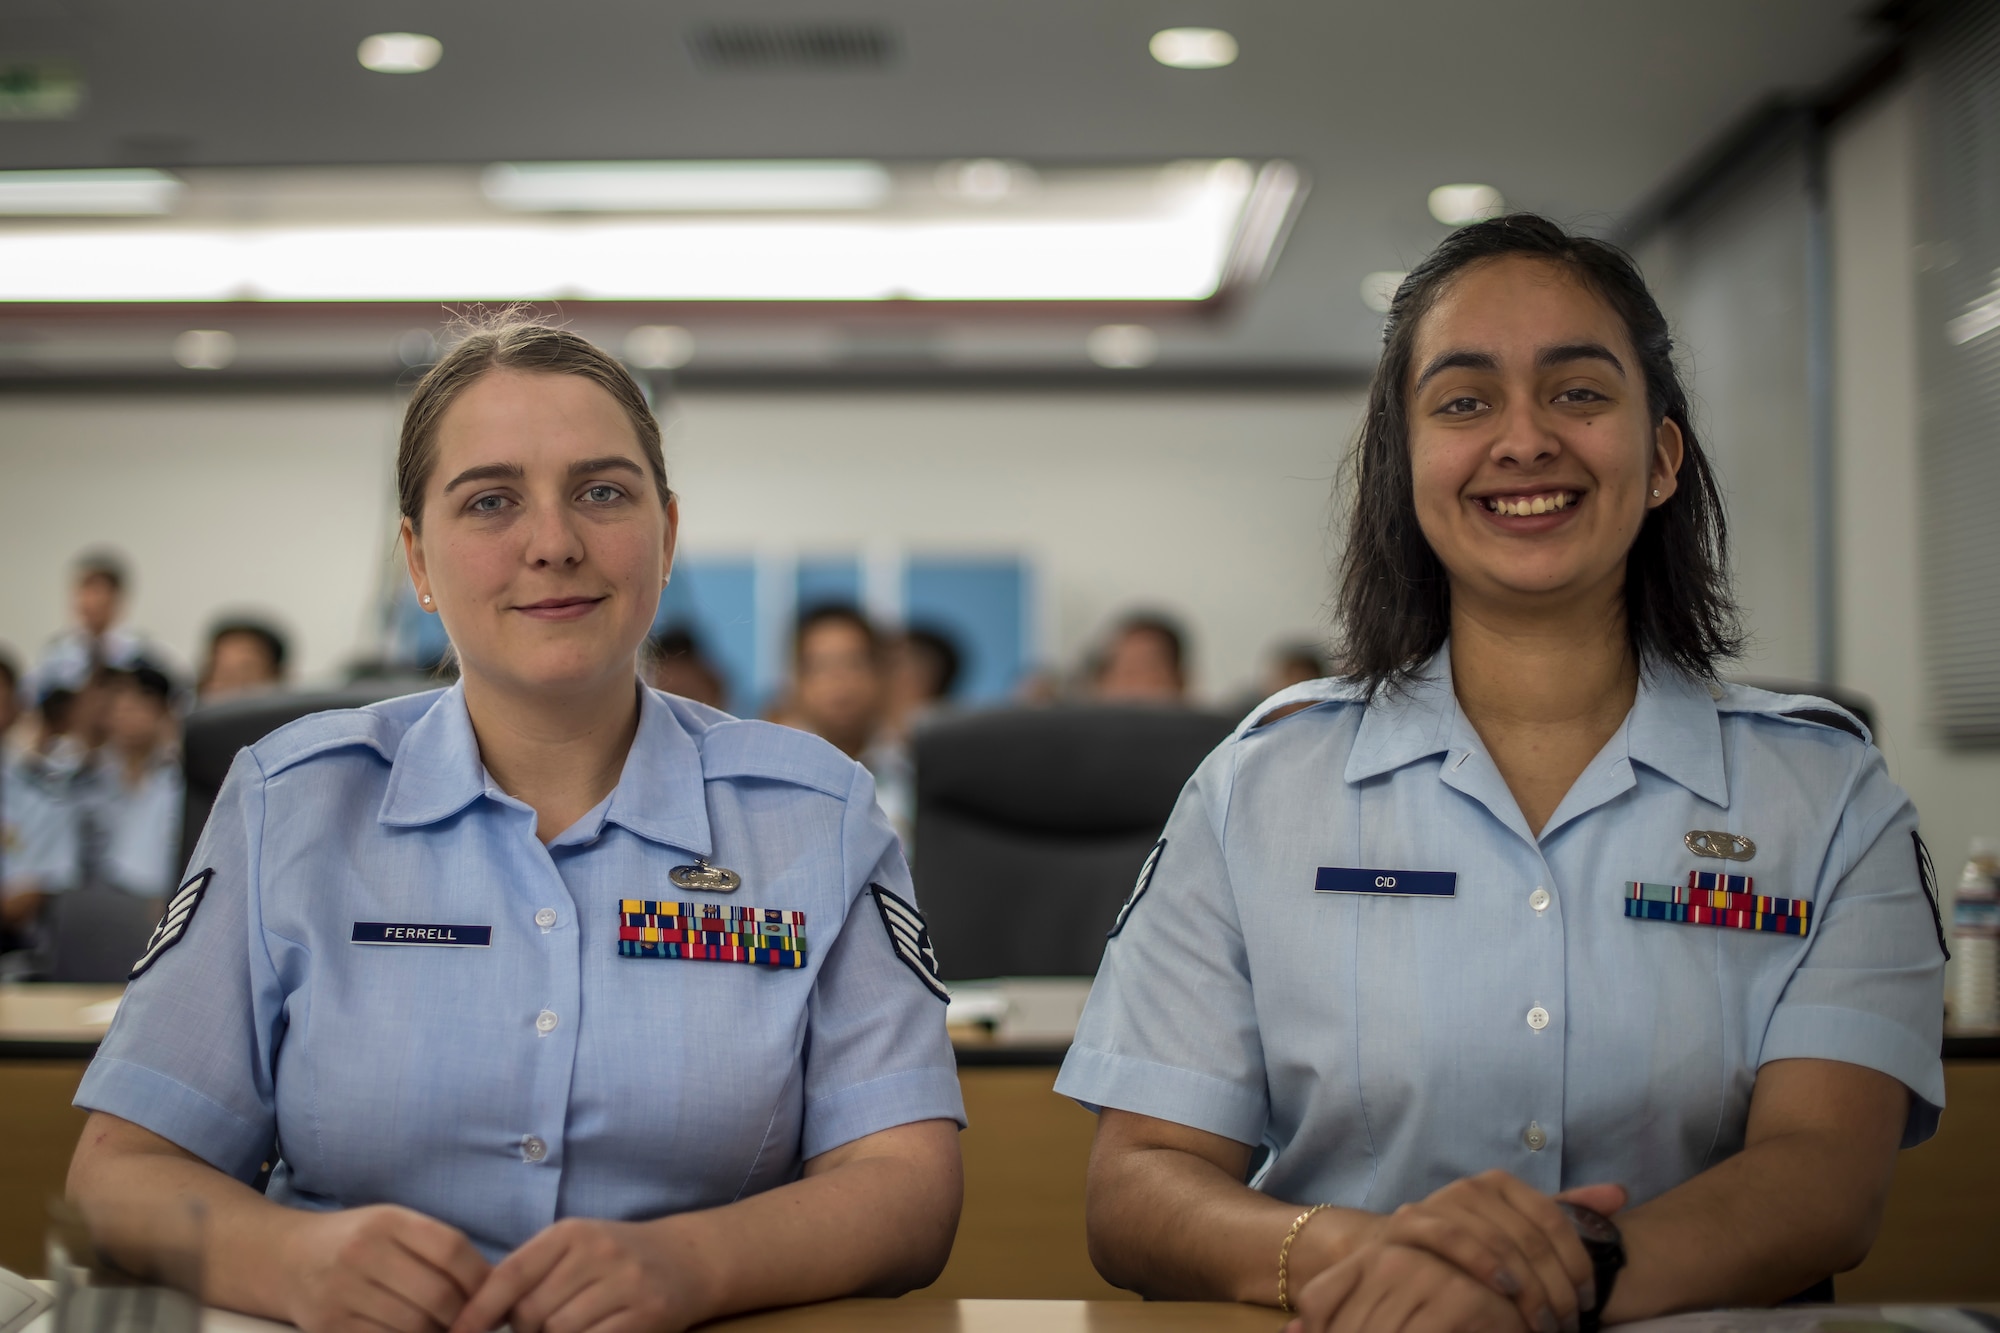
(1873,200)
(1212,505)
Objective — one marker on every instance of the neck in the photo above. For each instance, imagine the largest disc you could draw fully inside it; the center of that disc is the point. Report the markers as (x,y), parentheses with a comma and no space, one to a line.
(1543,666)
(560,754)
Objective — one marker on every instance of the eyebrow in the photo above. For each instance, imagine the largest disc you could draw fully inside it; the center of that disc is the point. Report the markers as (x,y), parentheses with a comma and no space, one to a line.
(515,472)
(1545,359)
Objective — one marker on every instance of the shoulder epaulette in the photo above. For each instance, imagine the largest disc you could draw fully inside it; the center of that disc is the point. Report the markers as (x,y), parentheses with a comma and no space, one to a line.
(747,749)
(1297,699)
(378,727)
(1800,709)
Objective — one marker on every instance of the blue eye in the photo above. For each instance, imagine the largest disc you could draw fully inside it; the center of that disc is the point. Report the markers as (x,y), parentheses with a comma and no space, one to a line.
(603,494)
(486,504)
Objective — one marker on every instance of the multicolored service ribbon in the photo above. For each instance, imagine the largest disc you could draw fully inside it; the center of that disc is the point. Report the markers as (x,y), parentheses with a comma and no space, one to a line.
(711,932)
(1717,900)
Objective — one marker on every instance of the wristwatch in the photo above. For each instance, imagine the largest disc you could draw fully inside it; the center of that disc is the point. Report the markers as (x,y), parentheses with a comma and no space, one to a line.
(1606,1248)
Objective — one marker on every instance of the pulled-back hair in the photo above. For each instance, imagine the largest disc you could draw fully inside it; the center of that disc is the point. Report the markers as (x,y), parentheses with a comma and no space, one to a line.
(513,345)
(1394,597)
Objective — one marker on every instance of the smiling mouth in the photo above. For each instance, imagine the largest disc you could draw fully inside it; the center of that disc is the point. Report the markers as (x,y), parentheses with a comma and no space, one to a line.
(556,606)
(1521,506)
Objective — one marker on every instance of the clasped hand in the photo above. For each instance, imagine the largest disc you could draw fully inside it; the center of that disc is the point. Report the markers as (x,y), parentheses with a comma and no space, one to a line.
(1484,1253)
(389,1268)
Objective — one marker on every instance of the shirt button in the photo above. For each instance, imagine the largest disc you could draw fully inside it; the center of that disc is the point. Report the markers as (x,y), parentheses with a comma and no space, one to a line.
(1535,1137)
(1539,899)
(545,1021)
(533,1149)
(546,917)
(1538,1018)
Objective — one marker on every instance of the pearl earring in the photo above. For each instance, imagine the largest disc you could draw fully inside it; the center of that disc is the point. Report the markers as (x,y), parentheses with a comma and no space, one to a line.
(1656,495)
(427,596)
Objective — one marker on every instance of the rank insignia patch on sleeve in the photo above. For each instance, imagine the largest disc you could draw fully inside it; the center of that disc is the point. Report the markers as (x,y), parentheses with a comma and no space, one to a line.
(173,922)
(910,938)
(1139,889)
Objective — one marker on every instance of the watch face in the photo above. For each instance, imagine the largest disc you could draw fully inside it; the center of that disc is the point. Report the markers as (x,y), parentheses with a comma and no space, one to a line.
(1592,1228)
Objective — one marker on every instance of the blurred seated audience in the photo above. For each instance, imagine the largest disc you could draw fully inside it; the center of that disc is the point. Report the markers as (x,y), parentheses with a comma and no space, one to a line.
(43,831)
(923,669)
(133,801)
(1292,664)
(1143,661)
(95,640)
(837,685)
(245,656)
(674,662)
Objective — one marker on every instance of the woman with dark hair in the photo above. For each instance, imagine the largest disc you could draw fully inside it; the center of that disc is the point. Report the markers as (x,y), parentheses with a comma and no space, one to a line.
(1523,974)
(548,999)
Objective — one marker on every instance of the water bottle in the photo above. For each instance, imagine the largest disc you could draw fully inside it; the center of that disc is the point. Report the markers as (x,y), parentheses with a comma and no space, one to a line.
(1975,939)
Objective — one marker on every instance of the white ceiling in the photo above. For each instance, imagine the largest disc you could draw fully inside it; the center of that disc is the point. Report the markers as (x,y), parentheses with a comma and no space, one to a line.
(1577,108)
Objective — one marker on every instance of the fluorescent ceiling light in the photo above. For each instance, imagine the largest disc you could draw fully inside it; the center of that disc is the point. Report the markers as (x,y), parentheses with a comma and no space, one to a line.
(1457,205)
(399,52)
(1193,48)
(1179,232)
(134,192)
(677,187)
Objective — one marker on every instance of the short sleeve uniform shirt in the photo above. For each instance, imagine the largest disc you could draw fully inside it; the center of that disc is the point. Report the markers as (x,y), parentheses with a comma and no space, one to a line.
(378,977)
(1493,1004)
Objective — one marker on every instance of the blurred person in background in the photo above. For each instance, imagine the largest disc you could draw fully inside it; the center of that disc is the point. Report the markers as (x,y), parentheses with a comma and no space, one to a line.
(132,799)
(923,670)
(1143,661)
(245,656)
(1288,664)
(675,663)
(44,831)
(837,678)
(95,638)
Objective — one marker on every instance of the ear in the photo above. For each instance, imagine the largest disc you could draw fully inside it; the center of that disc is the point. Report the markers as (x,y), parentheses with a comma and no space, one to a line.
(413,559)
(1669,449)
(673,535)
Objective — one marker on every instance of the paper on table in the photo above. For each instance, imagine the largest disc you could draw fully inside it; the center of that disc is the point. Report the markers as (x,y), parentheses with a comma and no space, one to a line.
(20,1301)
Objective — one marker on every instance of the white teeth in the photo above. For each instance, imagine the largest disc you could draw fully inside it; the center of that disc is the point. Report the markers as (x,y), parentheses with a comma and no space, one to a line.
(1540,504)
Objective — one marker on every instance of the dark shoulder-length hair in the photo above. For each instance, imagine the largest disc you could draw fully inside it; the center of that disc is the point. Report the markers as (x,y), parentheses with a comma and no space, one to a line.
(1394,600)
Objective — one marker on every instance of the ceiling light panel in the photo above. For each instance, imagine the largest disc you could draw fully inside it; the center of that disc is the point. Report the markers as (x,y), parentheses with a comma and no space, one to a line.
(137,192)
(1193,48)
(399,52)
(693,187)
(792,232)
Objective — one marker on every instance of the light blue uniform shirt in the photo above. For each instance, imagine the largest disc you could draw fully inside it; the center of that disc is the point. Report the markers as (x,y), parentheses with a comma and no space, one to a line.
(1376,1047)
(543,1076)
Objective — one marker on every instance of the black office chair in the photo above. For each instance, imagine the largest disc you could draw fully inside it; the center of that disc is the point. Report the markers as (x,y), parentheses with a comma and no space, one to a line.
(1031,824)
(215,732)
(1858,704)
(95,935)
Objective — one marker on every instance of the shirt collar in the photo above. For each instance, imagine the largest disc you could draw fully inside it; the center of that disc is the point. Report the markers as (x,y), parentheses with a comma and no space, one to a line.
(660,794)
(1672,729)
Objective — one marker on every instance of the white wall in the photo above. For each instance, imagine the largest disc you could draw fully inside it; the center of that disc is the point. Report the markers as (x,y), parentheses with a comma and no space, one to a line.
(1873,202)
(1212,505)
(279,504)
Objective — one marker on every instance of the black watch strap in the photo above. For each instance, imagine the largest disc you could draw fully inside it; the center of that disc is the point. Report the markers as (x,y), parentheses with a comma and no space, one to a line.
(1605,1245)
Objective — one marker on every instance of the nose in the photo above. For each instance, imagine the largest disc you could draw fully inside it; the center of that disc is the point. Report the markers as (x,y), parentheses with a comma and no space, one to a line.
(1524,439)
(554,538)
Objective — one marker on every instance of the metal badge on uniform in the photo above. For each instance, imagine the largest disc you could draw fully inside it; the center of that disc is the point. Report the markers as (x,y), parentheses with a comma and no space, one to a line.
(1145,881)
(711,933)
(1720,845)
(911,939)
(445,936)
(1395,883)
(1712,899)
(701,877)
(173,922)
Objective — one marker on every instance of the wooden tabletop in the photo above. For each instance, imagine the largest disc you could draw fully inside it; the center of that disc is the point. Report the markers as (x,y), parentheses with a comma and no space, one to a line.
(55,1013)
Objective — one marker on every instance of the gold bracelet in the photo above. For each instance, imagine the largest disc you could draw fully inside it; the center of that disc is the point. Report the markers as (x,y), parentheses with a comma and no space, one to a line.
(1285,1254)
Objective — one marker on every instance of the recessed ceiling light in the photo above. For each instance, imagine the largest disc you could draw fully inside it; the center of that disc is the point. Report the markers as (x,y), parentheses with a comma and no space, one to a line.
(133,192)
(1456,205)
(1378,290)
(1122,346)
(684,187)
(400,52)
(205,349)
(1193,48)
(659,347)
(983,180)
